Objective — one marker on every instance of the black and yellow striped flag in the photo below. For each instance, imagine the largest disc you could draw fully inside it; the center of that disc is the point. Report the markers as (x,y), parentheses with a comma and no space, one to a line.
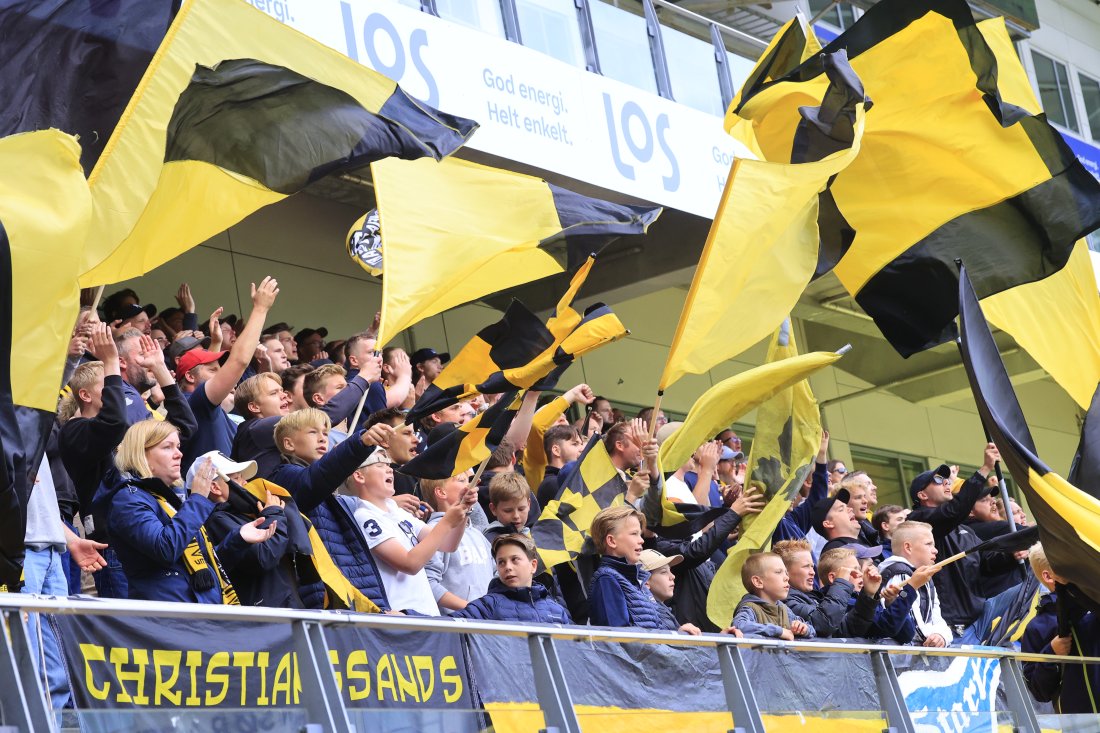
(227,121)
(469,444)
(956,160)
(45,208)
(592,485)
(513,341)
(458,231)
(1068,518)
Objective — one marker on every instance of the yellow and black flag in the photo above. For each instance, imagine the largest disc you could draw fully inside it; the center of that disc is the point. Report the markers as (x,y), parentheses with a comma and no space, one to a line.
(1068,518)
(469,444)
(512,342)
(957,160)
(226,122)
(458,231)
(592,485)
(45,208)
(788,436)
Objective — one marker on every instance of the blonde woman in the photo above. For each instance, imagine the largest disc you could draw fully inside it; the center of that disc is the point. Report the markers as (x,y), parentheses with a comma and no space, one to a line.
(158,536)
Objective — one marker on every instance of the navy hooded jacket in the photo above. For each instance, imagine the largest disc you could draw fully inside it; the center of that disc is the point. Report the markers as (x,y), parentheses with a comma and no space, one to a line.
(618,597)
(502,603)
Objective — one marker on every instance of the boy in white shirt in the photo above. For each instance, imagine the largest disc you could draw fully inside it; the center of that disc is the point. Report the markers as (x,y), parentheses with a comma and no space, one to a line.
(913,547)
(400,543)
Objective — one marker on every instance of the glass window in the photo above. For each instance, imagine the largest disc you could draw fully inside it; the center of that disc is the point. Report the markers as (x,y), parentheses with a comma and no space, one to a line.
(483,15)
(839,16)
(692,69)
(740,67)
(1054,93)
(550,26)
(1090,95)
(623,43)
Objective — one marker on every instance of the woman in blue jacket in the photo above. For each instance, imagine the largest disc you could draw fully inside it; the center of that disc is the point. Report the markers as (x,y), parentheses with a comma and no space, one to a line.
(157,532)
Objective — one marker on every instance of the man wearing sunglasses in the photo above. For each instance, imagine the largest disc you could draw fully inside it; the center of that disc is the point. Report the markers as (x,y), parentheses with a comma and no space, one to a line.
(934,502)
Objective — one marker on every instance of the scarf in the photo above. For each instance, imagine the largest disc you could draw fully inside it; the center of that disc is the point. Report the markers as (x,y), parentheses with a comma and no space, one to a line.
(770,613)
(203,577)
(339,591)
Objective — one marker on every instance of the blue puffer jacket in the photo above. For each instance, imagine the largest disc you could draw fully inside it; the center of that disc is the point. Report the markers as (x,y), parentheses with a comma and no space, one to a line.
(617,596)
(150,545)
(334,521)
(313,488)
(502,603)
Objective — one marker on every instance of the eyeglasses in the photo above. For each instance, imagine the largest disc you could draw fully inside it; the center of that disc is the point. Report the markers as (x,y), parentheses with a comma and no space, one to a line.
(841,470)
(938,480)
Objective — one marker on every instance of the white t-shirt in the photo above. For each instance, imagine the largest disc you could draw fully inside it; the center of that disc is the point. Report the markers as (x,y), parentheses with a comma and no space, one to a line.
(678,491)
(393,523)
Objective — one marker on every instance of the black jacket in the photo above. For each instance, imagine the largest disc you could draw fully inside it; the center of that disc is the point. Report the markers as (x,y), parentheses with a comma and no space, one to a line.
(695,574)
(263,574)
(87,444)
(959,584)
(826,609)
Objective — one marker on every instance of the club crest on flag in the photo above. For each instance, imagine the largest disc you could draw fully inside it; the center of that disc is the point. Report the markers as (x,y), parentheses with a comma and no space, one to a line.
(364,242)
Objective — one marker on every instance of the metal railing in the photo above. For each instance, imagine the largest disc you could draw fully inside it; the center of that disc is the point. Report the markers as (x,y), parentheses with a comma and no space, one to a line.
(25,707)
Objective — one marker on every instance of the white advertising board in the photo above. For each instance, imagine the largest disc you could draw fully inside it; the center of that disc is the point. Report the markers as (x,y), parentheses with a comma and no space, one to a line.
(532,108)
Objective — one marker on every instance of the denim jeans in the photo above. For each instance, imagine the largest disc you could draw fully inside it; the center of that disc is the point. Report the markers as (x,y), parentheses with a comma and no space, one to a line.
(110,582)
(72,570)
(44,574)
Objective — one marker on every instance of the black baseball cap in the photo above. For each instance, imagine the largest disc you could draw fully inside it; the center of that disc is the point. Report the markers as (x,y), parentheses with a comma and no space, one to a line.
(920,483)
(131,310)
(822,508)
(307,332)
(421,355)
(275,328)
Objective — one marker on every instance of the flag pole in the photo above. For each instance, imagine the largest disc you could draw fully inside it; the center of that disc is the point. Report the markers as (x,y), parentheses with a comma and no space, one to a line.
(653,415)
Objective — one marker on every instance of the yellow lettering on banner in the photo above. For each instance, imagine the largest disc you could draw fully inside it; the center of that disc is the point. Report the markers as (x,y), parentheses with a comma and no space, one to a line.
(424,663)
(358,671)
(166,659)
(282,681)
(448,675)
(297,679)
(261,662)
(94,653)
(217,660)
(120,657)
(334,660)
(194,661)
(406,685)
(244,660)
(385,677)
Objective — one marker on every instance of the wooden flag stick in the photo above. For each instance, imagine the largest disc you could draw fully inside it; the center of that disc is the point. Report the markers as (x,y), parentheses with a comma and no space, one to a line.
(96,299)
(480,470)
(653,415)
(948,561)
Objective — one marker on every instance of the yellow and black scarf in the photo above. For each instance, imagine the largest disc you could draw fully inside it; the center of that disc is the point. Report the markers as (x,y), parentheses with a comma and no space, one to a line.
(203,576)
(339,591)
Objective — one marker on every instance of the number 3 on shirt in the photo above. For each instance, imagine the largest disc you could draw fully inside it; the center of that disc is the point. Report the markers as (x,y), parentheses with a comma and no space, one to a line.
(372,528)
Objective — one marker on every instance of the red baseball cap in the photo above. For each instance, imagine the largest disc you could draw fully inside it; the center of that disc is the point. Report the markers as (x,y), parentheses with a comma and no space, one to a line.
(196,357)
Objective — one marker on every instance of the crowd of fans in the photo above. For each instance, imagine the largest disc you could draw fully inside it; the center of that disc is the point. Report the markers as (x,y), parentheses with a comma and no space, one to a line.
(219,463)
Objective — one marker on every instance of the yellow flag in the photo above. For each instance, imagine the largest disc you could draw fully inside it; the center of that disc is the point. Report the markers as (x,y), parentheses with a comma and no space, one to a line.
(456,231)
(732,398)
(235,112)
(788,436)
(760,254)
(45,208)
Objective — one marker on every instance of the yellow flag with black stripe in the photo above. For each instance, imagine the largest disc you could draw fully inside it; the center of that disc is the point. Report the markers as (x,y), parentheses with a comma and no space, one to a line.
(45,208)
(1068,517)
(788,436)
(235,112)
(592,485)
(957,161)
(458,231)
(763,246)
(469,444)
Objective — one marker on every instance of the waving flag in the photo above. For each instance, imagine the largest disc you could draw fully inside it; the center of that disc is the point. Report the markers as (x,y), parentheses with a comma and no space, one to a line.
(1068,518)
(469,444)
(228,121)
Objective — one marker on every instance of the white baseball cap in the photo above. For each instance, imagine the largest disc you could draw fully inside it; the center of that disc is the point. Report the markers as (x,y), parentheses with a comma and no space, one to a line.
(224,465)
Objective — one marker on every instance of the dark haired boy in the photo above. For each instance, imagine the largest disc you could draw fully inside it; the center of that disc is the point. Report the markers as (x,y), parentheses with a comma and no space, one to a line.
(514,595)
